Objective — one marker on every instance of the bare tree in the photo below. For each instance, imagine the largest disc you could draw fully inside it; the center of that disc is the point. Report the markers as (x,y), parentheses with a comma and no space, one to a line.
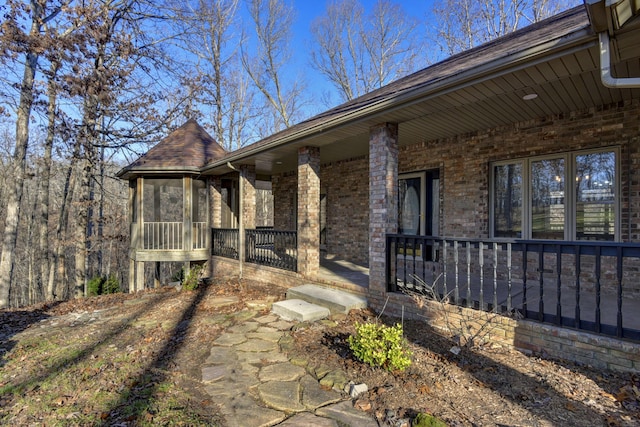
(219,88)
(272,20)
(464,24)
(30,45)
(358,52)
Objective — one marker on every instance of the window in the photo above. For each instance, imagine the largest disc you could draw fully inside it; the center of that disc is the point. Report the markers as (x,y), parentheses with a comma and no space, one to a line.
(533,198)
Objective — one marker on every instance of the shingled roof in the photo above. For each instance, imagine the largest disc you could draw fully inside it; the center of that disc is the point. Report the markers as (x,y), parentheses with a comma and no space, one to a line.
(186,149)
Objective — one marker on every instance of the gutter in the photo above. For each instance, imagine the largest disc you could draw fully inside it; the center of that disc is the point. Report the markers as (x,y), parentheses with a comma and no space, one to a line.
(606,74)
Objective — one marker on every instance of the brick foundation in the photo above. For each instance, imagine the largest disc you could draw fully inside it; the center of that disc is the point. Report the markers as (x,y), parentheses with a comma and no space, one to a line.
(524,335)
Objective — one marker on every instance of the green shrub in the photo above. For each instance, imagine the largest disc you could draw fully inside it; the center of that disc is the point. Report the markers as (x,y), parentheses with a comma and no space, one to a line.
(427,420)
(381,346)
(101,285)
(94,286)
(111,285)
(190,283)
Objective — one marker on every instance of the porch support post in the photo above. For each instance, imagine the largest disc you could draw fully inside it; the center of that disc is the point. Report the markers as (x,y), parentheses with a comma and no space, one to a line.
(187,219)
(214,187)
(247,190)
(248,176)
(309,211)
(215,202)
(383,200)
(136,275)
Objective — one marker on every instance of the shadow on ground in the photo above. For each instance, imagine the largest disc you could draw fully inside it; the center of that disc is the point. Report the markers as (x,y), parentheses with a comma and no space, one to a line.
(13,322)
(136,402)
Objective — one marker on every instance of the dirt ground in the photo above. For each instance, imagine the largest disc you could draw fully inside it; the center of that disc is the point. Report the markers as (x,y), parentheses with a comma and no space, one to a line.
(163,336)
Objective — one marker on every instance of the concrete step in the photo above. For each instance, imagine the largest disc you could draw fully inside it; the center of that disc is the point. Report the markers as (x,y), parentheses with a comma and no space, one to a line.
(335,300)
(297,309)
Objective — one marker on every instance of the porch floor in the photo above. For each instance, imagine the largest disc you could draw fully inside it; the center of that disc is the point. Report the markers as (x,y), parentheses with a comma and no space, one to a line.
(340,272)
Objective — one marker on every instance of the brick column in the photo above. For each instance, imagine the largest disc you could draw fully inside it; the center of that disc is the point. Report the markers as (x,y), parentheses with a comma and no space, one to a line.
(309,211)
(248,177)
(215,202)
(383,200)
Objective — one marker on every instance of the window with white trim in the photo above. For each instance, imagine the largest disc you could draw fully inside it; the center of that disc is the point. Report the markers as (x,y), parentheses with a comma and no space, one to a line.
(533,198)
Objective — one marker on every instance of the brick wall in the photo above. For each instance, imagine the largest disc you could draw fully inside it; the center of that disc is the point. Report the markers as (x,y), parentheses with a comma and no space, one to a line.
(524,335)
(285,188)
(347,191)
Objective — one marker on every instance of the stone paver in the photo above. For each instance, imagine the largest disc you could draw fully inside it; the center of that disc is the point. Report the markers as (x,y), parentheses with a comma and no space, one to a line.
(308,420)
(250,376)
(345,413)
(314,397)
(228,340)
(281,372)
(282,395)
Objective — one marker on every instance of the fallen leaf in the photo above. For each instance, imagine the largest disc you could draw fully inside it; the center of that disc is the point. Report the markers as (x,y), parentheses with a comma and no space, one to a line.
(363,405)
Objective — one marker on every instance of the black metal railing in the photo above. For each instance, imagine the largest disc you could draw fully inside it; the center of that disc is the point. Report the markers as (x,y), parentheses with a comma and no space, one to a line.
(263,246)
(273,248)
(225,242)
(593,286)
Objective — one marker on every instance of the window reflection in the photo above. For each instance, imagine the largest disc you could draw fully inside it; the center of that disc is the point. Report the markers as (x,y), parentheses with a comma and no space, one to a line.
(595,196)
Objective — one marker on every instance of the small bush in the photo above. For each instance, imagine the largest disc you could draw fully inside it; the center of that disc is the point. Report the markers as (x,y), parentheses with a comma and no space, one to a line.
(381,346)
(111,285)
(94,286)
(190,283)
(101,285)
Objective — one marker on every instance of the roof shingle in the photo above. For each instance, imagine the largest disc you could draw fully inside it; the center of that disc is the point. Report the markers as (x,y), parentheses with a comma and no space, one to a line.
(189,146)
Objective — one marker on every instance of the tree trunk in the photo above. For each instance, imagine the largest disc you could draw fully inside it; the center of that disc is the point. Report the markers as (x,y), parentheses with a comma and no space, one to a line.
(57,267)
(44,174)
(18,168)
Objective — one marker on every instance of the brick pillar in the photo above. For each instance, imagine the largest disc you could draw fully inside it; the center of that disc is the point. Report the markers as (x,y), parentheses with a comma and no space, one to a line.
(248,177)
(215,202)
(309,211)
(383,200)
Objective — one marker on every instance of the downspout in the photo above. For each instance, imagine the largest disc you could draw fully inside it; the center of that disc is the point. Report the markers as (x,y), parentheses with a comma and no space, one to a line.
(605,67)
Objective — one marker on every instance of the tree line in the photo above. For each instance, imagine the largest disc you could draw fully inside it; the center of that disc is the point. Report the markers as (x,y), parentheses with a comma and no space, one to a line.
(88,85)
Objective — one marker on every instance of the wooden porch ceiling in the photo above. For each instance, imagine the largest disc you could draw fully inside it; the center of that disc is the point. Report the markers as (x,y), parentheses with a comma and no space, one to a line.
(565,79)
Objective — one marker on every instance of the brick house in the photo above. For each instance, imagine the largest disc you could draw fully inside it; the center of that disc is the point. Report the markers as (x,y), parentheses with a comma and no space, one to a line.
(504,179)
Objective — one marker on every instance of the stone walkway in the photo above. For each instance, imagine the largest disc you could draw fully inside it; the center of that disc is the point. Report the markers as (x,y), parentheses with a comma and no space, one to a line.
(249,374)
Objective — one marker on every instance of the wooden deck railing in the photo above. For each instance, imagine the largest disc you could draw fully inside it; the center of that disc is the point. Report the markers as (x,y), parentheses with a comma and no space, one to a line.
(200,235)
(162,236)
(168,236)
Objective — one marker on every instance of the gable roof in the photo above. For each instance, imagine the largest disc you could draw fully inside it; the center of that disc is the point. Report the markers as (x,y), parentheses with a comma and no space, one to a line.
(185,150)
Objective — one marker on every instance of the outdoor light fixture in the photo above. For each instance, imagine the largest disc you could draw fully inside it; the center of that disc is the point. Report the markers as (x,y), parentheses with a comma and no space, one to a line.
(530,96)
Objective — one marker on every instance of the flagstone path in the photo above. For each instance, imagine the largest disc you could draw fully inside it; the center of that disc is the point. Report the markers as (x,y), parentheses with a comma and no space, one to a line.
(249,374)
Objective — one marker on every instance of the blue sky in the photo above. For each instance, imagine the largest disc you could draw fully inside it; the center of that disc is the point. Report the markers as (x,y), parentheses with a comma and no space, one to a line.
(308,10)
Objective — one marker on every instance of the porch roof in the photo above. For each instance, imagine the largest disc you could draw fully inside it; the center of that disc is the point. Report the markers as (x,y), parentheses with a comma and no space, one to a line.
(482,88)
(185,150)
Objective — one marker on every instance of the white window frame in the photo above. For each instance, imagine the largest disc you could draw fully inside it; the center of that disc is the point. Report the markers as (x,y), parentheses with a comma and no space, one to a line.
(569,197)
